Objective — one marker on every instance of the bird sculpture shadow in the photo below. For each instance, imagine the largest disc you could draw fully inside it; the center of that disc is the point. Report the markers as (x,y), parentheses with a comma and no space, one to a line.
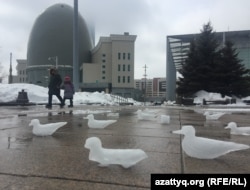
(45,129)
(98,124)
(205,148)
(105,157)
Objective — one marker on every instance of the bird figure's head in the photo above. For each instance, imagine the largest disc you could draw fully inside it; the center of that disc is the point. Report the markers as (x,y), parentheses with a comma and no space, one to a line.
(93,142)
(34,122)
(185,130)
(231,125)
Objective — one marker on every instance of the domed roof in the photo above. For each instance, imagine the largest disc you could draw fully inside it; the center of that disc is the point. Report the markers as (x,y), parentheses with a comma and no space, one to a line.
(52,35)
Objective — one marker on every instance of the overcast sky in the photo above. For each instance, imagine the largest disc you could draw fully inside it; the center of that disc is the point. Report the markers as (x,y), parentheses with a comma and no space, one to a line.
(150,20)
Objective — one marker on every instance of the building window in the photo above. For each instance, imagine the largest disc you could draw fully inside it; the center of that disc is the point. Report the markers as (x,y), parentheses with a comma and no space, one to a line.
(123,67)
(119,55)
(123,79)
(128,79)
(104,55)
(103,72)
(103,77)
(128,56)
(128,67)
(103,66)
(119,79)
(124,55)
(103,60)
(119,67)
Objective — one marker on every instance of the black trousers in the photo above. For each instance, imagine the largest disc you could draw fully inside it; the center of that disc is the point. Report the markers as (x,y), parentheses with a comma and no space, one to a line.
(59,98)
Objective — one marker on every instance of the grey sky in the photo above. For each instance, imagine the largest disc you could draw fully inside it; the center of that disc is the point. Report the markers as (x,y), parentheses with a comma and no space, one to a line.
(150,20)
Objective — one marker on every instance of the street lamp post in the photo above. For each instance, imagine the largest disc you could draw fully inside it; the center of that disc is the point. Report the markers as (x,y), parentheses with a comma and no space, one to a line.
(145,77)
(76,46)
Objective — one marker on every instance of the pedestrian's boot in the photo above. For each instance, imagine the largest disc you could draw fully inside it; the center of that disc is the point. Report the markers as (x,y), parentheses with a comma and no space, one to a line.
(48,106)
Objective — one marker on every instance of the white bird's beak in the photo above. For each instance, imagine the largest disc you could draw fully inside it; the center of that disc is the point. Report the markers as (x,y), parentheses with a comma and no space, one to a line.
(227,127)
(177,132)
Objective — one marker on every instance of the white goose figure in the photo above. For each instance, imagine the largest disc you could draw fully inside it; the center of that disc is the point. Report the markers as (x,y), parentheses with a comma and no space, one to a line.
(45,129)
(124,157)
(98,124)
(213,116)
(205,148)
(237,130)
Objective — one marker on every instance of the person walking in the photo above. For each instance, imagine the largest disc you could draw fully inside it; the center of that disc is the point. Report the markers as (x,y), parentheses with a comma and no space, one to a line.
(69,90)
(54,88)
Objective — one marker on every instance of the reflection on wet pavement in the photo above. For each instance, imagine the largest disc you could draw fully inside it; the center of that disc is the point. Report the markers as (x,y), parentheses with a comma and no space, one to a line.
(18,142)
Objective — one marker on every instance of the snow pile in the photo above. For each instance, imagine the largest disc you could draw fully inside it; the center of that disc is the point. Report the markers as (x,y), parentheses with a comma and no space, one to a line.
(9,92)
(93,98)
(209,96)
(38,94)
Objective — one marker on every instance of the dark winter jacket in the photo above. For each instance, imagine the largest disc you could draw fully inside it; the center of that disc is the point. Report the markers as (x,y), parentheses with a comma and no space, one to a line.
(69,90)
(55,84)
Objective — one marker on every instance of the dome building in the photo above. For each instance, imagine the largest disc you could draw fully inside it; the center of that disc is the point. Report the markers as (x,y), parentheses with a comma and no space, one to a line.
(51,44)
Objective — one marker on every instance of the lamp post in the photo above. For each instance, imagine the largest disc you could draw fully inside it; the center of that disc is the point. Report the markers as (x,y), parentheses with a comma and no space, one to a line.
(55,58)
(76,46)
(145,77)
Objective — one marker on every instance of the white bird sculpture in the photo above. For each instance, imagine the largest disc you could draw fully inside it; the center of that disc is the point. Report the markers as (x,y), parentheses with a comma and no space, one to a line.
(213,116)
(98,124)
(145,115)
(237,130)
(45,129)
(205,148)
(105,157)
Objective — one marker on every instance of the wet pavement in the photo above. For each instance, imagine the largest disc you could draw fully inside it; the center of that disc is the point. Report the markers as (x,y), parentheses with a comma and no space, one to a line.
(60,161)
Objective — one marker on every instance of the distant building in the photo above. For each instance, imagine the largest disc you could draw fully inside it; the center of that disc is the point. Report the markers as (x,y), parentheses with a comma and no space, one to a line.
(112,66)
(21,76)
(178,47)
(109,66)
(51,44)
(155,88)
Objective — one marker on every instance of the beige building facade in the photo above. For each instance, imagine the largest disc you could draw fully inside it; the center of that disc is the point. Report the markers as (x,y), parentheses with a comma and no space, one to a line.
(112,66)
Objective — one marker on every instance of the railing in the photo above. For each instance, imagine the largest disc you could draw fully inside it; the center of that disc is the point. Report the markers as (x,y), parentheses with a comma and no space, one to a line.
(120,100)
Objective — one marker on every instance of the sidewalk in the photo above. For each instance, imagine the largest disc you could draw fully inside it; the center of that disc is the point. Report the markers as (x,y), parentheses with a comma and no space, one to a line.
(61,161)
